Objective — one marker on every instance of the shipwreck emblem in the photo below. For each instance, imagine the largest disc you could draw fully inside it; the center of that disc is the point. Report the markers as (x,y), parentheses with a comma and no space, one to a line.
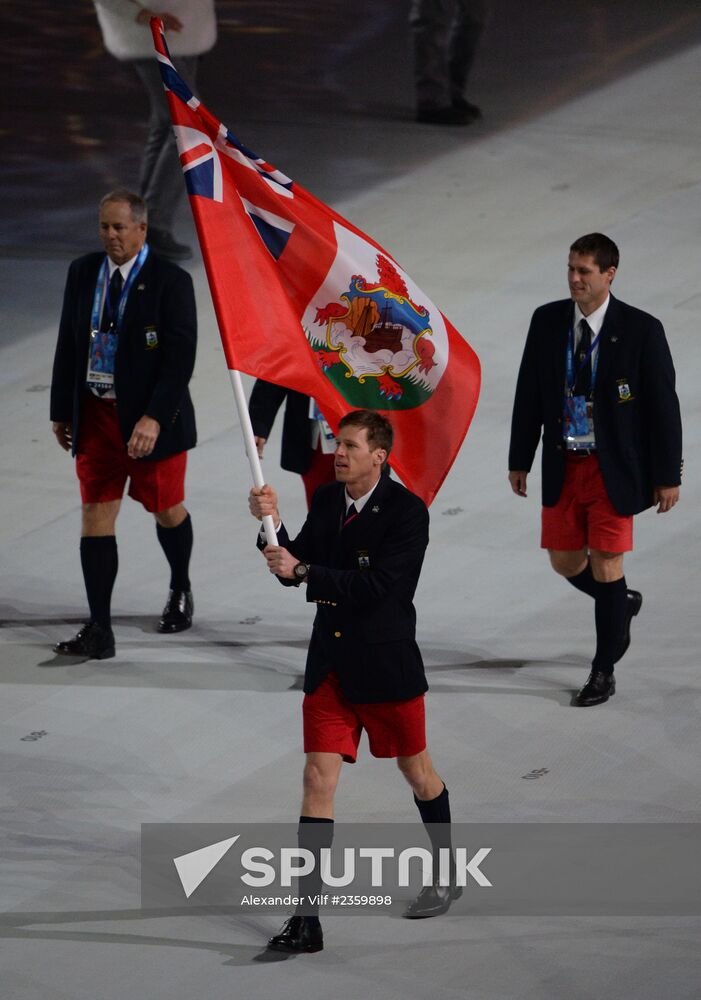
(376,344)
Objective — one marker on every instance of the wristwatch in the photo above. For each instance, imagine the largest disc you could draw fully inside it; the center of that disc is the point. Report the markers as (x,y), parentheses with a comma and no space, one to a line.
(301,572)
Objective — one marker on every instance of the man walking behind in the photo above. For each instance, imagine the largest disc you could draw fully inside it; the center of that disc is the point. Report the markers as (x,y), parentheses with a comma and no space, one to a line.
(597,380)
(120,403)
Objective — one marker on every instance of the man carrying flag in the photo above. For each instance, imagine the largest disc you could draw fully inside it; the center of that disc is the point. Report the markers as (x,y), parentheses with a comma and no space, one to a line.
(359,555)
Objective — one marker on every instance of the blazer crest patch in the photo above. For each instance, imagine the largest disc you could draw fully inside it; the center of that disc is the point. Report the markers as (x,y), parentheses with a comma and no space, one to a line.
(624,393)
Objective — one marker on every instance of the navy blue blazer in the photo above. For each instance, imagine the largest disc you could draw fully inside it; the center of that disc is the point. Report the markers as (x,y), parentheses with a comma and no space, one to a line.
(150,379)
(636,411)
(362,580)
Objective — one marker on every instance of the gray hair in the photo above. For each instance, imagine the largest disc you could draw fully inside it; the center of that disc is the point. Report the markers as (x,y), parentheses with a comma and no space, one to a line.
(139,209)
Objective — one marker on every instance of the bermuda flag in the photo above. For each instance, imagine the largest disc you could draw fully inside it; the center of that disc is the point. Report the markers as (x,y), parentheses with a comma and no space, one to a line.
(306,300)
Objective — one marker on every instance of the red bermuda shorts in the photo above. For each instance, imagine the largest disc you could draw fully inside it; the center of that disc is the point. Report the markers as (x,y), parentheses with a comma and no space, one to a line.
(584,517)
(103,465)
(332,724)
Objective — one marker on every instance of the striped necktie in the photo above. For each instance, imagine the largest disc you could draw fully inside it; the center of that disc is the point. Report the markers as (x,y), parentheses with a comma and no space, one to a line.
(351,514)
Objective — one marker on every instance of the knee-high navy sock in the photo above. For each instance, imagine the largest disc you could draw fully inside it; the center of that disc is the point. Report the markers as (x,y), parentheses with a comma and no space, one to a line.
(435,814)
(177,545)
(584,581)
(313,833)
(609,615)
(98,557)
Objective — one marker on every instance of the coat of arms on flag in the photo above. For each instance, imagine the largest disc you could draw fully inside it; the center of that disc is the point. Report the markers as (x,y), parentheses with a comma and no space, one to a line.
(377,345)
(306,300)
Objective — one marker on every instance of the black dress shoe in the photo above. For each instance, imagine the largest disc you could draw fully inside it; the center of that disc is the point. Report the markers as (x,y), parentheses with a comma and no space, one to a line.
(93,641)
(634,602)
(298,935)
(444,116)
(177,614)
(432,901)
(467,107)
(165,245)
(597,690)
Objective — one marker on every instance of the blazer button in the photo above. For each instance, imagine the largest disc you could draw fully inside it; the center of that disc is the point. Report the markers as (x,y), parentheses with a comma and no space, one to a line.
(337,635)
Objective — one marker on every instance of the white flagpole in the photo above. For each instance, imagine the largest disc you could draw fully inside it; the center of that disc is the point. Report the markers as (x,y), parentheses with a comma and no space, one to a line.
(251,450)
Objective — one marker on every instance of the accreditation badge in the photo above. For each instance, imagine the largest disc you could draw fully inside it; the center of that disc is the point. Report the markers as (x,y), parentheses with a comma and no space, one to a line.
(327,438)
(576,418)
(578,422)
(103,350)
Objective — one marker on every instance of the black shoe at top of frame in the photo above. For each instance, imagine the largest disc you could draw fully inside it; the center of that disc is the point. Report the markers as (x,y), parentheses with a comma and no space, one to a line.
(165,245)
(93,640)
(634,602)
(298,935)
(467,107)
(598,689)
(177,614)
(432,901)
(444,116)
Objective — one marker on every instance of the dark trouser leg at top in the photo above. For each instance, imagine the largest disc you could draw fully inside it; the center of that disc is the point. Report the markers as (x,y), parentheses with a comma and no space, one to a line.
(161,178)
(436,899)
(445,34)
(468,25)
(302,932)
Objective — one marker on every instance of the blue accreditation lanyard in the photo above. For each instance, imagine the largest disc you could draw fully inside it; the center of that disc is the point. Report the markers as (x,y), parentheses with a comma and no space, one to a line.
(101,295)
(572,372)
